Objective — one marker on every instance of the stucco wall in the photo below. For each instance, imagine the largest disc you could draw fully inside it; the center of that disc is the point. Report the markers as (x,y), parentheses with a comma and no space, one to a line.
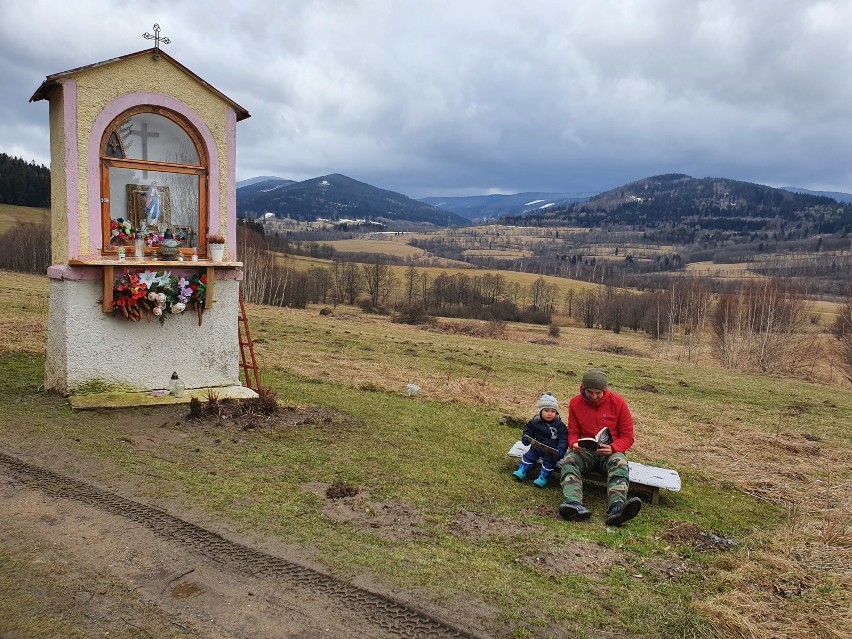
(84,344)
(58,201)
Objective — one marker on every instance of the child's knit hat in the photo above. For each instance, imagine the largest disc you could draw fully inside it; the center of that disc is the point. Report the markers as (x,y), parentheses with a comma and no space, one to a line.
(548,401)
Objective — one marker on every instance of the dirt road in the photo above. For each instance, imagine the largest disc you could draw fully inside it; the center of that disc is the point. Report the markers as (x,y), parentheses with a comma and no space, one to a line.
(128,569)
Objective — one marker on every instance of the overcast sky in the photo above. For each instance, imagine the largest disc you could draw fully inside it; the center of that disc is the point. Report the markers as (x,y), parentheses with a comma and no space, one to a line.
(464,97)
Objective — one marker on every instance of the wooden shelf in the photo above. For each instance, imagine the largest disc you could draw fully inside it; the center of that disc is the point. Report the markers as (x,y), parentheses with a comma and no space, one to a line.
(109,264)
(132,262)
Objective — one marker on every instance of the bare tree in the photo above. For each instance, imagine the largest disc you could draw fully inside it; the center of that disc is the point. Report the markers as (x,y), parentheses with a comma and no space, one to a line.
(379,278)
(842,331)
(348,281)
(321,283)
(759,326)
(26,248)
(411,285)
(267,276)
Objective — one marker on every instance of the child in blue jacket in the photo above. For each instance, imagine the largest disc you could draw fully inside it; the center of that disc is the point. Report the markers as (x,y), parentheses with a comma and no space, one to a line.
(547,429)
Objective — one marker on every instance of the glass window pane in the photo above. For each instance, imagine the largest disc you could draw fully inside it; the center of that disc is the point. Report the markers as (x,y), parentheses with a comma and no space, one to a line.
(153,201)
(148,136)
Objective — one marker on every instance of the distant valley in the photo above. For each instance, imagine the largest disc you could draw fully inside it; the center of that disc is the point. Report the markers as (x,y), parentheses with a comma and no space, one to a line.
(337,196)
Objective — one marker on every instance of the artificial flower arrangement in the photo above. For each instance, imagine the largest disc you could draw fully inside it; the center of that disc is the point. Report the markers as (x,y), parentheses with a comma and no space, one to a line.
(152,294)
(121,232)
(153,239)
(215,239)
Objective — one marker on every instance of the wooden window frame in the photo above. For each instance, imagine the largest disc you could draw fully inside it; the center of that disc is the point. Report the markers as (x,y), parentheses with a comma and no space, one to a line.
(201,170)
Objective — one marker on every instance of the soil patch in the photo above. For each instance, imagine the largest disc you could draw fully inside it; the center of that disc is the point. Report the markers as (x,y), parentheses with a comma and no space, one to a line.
(393,519)
(666,569)
(684,532)
(578,557)
(481,526)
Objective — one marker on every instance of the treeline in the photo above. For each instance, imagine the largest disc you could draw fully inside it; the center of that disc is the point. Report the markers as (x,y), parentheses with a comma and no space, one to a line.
(757,325)
(624,258)
(374,285)
(26,248)
(23,183)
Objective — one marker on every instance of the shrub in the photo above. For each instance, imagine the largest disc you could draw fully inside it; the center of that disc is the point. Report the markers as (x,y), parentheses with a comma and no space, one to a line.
(25,248)
(413,315)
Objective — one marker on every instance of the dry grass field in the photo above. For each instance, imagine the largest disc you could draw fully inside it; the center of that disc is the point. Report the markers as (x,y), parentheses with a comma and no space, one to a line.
(11,215)
(524,279)
(396,245)
(758,544)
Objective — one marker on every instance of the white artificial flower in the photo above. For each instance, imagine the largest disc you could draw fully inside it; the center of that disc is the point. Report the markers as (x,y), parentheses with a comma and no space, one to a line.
(158,311)
(148,278)
(152,297)
(178,307)
(161,298)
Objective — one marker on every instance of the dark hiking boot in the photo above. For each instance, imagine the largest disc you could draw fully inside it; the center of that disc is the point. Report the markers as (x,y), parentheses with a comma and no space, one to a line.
(622,511)
(574,512)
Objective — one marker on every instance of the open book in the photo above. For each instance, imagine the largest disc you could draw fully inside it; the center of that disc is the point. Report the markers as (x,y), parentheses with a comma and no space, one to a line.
(544,447)
(591,444)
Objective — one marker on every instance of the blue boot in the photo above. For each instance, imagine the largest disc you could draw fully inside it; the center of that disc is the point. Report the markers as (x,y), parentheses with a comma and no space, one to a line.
(521,473)
(541,481)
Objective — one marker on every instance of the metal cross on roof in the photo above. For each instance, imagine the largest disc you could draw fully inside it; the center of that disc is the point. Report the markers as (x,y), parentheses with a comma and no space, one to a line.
(157,40)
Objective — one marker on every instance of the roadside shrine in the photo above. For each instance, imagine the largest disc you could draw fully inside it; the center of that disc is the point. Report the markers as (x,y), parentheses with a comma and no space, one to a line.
(143,152)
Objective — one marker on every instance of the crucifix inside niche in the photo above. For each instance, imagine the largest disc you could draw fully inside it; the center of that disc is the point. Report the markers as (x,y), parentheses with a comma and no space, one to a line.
(144,134)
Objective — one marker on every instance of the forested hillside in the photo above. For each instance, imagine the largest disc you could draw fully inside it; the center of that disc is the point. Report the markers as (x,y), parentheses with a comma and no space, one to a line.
(336,197)
(678,208)
(22,183)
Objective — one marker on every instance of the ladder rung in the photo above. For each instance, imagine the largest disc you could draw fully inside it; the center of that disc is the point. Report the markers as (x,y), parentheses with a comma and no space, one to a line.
(247,341)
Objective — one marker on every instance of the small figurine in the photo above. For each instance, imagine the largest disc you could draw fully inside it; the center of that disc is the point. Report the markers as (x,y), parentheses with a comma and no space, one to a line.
(153,201)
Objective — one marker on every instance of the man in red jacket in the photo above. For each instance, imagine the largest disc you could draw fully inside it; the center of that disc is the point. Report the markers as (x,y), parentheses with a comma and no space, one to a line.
(592,448)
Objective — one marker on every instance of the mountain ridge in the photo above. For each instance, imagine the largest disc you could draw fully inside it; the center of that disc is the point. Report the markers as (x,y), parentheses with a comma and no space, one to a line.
(485,207)
(673,198)
(336,196)
(676,199)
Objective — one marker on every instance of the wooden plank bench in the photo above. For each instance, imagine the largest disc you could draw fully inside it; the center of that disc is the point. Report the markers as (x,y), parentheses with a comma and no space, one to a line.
(645,480)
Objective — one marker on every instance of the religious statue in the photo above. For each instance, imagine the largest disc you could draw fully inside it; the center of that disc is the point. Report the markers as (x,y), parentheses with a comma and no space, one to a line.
(153,204)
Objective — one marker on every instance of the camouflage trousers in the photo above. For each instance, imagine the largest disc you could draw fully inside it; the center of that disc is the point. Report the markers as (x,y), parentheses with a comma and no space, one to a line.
(614,467)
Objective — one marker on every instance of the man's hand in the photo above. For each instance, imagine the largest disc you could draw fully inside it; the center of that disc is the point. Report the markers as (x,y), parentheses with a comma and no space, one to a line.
(577,448)
(604,450)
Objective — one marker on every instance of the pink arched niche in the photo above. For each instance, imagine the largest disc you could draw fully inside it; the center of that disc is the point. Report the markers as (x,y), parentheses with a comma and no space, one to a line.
(93,160)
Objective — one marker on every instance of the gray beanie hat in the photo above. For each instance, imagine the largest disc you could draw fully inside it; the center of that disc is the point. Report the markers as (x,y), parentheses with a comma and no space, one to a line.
(595,378)
(548,401)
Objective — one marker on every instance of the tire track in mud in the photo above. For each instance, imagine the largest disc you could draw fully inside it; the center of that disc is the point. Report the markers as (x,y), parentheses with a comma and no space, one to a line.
(396,618)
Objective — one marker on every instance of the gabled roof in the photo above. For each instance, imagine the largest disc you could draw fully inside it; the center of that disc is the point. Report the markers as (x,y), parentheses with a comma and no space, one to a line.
(52,81)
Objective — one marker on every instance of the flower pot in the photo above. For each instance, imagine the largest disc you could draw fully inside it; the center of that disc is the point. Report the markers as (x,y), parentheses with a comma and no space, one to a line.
(217,252)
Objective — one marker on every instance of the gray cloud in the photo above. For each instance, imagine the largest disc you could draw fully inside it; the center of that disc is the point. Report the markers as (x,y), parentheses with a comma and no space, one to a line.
(441,97)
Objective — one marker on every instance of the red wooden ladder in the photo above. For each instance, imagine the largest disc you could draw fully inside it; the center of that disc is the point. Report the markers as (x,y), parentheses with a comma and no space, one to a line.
(247,364)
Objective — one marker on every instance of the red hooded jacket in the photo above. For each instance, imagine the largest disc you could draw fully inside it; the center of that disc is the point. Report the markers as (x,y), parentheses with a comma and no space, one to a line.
(586,418)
